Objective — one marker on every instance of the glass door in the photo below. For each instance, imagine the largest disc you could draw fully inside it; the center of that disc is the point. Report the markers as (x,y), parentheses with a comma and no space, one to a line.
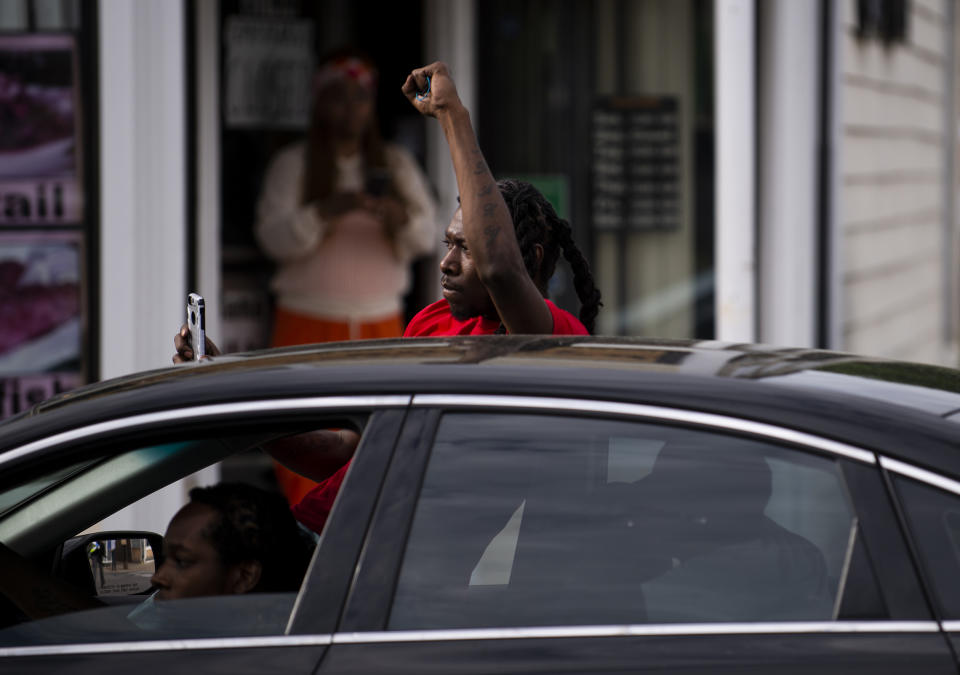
(608,108)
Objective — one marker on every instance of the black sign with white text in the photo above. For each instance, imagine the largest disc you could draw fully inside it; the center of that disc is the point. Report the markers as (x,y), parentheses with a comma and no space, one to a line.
(636,163)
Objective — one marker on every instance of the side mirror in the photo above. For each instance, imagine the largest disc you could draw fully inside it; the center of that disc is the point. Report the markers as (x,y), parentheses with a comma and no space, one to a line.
(109,564)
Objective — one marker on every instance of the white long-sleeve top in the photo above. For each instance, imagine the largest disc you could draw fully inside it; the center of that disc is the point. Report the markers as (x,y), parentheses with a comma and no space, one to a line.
(344,270)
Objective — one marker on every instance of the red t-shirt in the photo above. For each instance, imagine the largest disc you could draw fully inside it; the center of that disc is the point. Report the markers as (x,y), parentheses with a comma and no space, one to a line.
(436,321)
(315,506)
(432,321)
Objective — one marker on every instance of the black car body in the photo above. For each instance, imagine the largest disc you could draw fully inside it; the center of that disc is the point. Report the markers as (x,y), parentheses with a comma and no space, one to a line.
(529,504)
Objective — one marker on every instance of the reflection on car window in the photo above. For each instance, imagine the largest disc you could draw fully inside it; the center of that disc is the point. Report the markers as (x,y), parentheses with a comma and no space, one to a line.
(934,519)
(541,520)
(19,493)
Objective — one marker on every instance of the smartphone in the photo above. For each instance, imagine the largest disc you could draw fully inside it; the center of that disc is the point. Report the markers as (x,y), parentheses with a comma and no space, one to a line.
(197,323)
(378,182)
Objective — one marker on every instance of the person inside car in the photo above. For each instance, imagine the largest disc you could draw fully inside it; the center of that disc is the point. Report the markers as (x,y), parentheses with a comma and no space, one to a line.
(503,244)
(231,538)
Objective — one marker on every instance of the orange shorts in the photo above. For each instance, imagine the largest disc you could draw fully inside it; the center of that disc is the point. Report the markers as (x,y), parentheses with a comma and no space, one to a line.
(290,328)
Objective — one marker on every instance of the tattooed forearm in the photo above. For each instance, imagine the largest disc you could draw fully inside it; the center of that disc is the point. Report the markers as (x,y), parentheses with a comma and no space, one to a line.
(486,190)
(489,210)
(480,168)
(491,232)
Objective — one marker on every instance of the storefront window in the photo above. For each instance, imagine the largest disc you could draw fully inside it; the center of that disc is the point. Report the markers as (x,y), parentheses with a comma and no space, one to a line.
(268,52)
(607,107)
(48,224)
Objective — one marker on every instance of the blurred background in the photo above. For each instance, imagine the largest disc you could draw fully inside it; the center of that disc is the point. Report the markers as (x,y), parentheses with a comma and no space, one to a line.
(775,171)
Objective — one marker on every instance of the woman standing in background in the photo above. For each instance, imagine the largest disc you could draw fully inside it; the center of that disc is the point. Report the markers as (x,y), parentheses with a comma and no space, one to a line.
(343,214)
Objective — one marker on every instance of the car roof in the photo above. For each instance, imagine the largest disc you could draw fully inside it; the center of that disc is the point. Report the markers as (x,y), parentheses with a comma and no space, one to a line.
(876,402)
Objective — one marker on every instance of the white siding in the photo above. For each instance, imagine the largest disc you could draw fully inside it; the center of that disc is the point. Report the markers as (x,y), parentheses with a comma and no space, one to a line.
(872,104)
(889,156)
(879,248)
(867,206)
(891,199)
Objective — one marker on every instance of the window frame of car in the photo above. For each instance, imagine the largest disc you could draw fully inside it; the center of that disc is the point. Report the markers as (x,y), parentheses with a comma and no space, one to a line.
(339,547)
(367,611)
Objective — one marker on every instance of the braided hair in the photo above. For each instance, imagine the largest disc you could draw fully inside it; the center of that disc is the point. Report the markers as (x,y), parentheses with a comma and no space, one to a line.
(256,525)
(536,222)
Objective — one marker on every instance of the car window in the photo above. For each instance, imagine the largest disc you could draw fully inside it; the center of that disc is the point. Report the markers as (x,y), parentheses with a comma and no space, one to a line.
(546,520)
(934,519)
(25,490)
(66,580)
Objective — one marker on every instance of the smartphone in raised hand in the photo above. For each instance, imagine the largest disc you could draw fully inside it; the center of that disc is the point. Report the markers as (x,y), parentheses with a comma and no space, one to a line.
(197,323)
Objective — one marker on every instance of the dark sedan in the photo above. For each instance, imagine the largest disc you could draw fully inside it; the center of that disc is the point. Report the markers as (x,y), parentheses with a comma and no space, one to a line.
(516,505)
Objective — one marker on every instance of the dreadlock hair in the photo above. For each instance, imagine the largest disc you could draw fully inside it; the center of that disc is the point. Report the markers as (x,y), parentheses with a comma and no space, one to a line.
(256,525)
(536,222)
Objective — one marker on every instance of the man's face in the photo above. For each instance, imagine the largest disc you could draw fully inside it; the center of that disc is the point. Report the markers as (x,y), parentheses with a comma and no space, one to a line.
(191,565)
(462,287)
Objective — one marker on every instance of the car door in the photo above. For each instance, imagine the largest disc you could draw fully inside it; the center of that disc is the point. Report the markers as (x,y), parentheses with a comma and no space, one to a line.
(523,534)
(237,634)
(930,503)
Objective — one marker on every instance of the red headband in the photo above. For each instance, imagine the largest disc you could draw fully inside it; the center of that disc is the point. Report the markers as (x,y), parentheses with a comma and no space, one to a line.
(346,68)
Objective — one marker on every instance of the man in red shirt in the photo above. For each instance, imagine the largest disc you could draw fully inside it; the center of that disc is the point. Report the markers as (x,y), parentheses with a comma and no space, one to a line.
(468,309)
(503,244)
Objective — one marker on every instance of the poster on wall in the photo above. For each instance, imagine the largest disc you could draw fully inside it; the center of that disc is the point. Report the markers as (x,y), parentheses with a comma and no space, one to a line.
(22,393)
(268,67)
(40,153)
(41,326)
